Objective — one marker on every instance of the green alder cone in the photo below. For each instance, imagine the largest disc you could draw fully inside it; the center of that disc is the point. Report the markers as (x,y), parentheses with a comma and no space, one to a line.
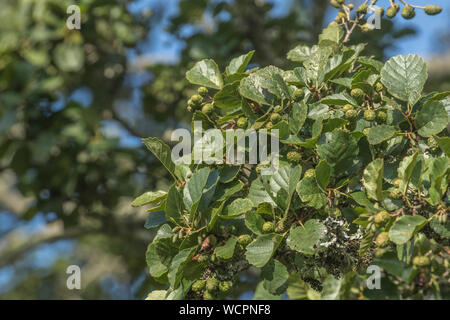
(347,107)
(268,227)
(269,125)
(275,118)
(341,15)
(208,109)
(294,157)
(432,9)
(242,123)
(432,143)
(421,261)
(225,287)
(198,285)
(379,252)
(369,115)
(278,109)
(202,91)
(197,99)
(362,9)
(358,94)
(381,218)
(379,87)
(298,95)
(396,194)
(381,116)
(335,4)
(310,173)
(391,12)
(366,27)
(366,131)
(212,284)
(382,239)
(351,114)
(244,240)
(204,258)
(408,12)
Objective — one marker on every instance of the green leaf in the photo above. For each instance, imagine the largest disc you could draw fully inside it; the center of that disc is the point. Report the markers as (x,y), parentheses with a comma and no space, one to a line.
(301,53)
(331,288)
(442,230)
(259,252)
(366,242)
(375,65)
(338,149)
(380,133)
(205,73)
(361,199)
(224,191)
(238,65)
(405,170)
(154,219)
(323,174)
(237,208)
(162,152)
(309,192)
(252,88)
(273,80)
(275,276)
(444,144)
(209,190)
(228,173)
(228,97)
(437,175)
(404,77)
(297,288)
(431,119)
(258,194)
(345,82)
(159,255)
(305,238)
(174,206)
(333,34)
(157,295)
(296,77)
(227,250)
(149,198)
(283,183)
(254,222)
(297,117)
(339,99)
(193,190)
(373,179)
(178,264)
(404,228)
(262,293)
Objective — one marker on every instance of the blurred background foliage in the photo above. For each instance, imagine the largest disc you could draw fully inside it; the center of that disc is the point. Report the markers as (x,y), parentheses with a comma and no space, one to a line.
(75,103)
